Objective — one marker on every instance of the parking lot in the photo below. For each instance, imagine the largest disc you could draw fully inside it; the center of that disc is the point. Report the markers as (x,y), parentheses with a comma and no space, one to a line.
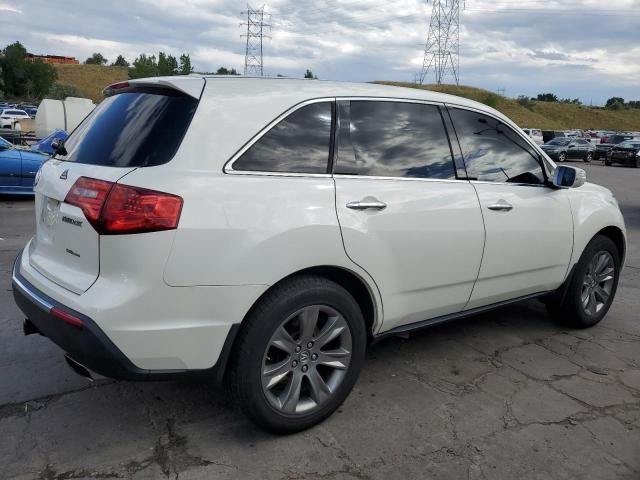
(502,395)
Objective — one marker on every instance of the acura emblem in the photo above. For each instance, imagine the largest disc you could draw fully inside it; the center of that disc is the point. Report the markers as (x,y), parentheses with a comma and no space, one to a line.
(63,175)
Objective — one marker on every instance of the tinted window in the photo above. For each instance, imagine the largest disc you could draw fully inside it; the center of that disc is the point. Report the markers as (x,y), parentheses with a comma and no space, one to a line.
(297,144)
(493,152)
(393,139)
(138,128)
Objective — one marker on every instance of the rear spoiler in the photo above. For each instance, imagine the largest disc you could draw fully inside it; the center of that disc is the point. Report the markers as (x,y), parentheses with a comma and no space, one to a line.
(190,85)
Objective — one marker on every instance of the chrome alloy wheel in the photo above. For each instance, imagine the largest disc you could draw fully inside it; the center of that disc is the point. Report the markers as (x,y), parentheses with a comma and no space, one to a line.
(597,283)
(306,359)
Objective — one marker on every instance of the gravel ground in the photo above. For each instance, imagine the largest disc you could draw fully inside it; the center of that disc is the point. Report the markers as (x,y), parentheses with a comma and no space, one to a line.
(501,395)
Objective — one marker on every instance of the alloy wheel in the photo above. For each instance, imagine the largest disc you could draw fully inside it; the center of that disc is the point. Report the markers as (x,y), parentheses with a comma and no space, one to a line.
(306,359)
(597,283)
(562,157)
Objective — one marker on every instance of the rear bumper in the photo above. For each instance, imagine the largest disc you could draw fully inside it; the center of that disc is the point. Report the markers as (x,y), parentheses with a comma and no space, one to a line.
(88,344)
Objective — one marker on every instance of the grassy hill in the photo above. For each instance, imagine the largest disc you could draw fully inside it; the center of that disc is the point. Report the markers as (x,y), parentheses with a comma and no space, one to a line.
(90,79)
(545,115)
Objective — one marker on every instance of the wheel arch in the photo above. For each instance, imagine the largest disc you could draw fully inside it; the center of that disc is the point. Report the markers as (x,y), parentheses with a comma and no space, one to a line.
(348,279)
(616,235)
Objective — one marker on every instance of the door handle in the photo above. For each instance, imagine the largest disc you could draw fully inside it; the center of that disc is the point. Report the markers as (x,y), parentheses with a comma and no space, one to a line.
(367,205)
(501,206)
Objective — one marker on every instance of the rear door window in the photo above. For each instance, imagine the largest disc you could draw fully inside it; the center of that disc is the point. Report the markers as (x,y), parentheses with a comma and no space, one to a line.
(142,127)
(299,143)
(393,139)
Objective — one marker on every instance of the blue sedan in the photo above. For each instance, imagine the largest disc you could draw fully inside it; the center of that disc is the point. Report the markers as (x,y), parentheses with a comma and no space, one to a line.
(18,169)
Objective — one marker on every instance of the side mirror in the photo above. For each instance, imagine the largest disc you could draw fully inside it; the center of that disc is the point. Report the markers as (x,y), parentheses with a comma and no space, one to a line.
(58,147)
(568,177)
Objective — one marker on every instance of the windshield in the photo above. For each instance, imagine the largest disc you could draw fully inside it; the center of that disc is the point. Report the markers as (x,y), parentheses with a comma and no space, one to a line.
(559,141)
(142,127)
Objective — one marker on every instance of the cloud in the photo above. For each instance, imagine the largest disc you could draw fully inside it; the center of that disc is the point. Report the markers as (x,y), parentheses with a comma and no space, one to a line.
(4,7)
(579,48)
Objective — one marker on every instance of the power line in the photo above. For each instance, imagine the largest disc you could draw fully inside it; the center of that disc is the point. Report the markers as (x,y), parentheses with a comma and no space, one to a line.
(442,48)
(253,64)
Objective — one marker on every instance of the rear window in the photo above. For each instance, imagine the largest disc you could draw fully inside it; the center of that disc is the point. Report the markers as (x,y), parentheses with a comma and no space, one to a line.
(137,128)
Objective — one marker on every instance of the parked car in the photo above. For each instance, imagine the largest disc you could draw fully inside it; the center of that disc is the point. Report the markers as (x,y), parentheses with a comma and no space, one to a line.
(562,149)
(46,145)
(627,153)
(10,118)
(18,169)
(548,135)
(272,245)
(535,134)
(603,149)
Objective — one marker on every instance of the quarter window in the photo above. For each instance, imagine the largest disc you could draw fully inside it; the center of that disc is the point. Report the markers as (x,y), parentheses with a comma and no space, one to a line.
(298,144)
(393,139)
(493,152)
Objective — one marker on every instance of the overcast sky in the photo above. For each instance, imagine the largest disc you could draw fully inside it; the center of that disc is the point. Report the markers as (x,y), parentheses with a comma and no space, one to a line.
(575,48)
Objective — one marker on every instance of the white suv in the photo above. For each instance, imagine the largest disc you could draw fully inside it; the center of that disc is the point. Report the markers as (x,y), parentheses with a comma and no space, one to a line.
(269,230)
(10,118)
(535,134)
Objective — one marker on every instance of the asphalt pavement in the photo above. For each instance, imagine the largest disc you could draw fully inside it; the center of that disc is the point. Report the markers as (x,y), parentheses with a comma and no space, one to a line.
(502,395)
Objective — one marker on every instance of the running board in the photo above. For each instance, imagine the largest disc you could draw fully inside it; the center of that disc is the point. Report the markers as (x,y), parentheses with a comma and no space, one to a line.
(405,330)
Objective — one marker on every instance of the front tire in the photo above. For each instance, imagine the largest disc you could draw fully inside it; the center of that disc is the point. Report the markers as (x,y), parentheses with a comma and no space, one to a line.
(589,157)
(300,352)
(592,287)
(562,157)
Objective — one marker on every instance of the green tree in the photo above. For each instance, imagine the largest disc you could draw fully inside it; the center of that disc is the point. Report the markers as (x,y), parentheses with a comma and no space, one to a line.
(40,78)
(226,71)
(167,64)
(14,73)
(547,97)
(185,65)
(615,103)
(96,59)
(120,62)
(309,74)
(60,91)
(144,66)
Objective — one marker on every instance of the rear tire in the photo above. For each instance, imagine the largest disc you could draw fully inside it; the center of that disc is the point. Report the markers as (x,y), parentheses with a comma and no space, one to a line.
(592,286)
(607,163)
(299,354)
(588,158)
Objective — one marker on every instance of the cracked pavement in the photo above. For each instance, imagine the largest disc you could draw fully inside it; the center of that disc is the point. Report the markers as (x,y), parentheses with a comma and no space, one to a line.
(501,395)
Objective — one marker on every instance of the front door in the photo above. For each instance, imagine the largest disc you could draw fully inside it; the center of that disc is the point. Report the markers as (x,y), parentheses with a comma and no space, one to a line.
(405,217)
(529,226)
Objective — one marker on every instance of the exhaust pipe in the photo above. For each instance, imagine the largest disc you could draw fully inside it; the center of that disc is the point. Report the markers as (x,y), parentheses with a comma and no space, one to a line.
(78,367)
(29,328)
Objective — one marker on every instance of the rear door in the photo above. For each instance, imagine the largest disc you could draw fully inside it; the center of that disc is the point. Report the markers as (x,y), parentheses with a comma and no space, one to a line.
(134,128)
(405,216)
(529,225)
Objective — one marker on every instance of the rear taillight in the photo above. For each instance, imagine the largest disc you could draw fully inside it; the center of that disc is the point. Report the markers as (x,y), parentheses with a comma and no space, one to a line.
(115,209)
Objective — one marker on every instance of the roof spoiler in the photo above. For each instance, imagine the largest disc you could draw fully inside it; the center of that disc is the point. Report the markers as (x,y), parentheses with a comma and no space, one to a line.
(189,85)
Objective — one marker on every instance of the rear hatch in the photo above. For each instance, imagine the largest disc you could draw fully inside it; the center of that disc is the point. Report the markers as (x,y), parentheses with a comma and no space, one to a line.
(66,248)
(138,126)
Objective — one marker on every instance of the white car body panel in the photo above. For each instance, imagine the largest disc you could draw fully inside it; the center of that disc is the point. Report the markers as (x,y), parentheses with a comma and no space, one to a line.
(423,250)
(527,249)
(168,299)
